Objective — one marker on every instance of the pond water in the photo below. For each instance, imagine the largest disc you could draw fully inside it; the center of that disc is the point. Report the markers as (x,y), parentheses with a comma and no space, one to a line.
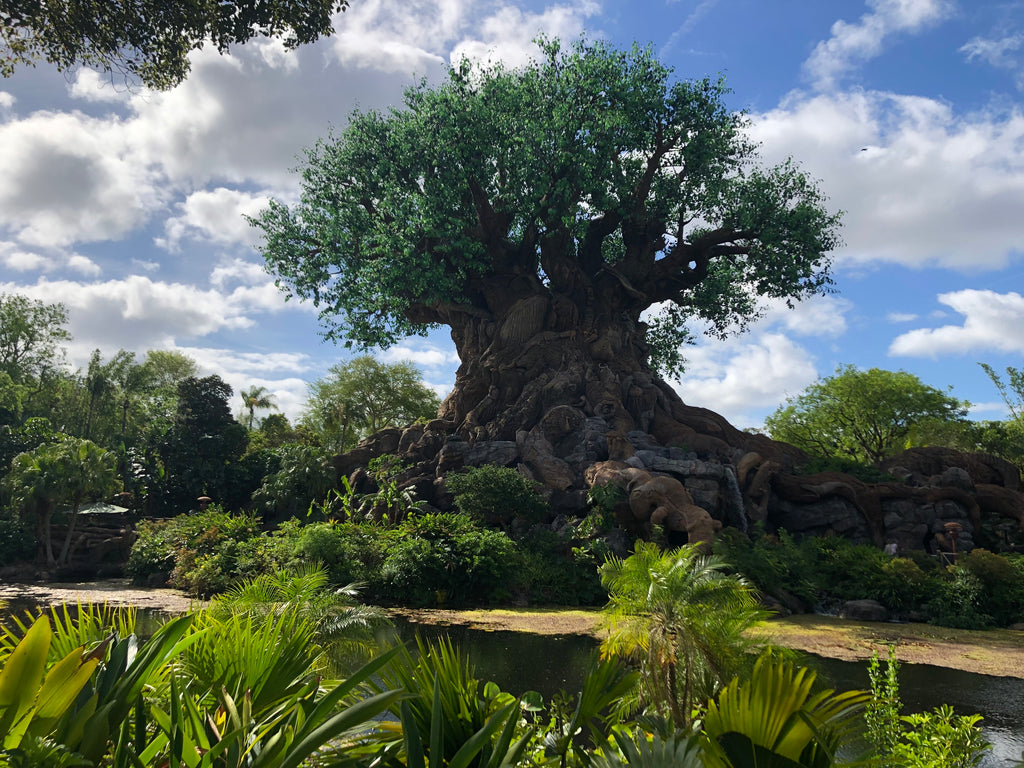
(521,662)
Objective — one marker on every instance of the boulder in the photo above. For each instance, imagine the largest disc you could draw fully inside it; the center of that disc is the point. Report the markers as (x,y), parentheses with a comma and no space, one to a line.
(864,610)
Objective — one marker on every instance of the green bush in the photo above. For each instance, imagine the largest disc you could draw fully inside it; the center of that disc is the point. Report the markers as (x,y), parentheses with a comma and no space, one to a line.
(1002,585)
(496,495)
(17,543)
(349,552)
(202,551)
(446,559)
(553,572)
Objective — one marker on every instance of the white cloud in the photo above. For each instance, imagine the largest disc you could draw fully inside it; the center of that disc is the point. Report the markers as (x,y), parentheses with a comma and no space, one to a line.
(18,259)
(995,52)
(422,354)
(992,321)
(239,271)
(901,317)
(90,85)
(931,187)
(67,177)
(136,313)
(6,100)
(507,35)
(83,265)
(216,216)
(745,378)
(852,44)
(145,266)
(815,316)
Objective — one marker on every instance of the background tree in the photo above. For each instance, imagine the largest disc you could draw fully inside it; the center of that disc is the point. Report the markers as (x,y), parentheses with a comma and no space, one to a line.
(64,472)
(540,212)
(149,39)
(256,398)
(31,335)
(363,396)
(202,442)
(861,415)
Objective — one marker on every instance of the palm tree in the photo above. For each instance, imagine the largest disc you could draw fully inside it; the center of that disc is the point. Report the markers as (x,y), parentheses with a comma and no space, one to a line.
(60,473)
(256,397)
(684,619)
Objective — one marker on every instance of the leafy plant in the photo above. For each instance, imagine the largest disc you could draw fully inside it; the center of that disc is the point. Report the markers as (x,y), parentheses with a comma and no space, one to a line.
(775,720)
(940,739)
(683,618)
(496,495)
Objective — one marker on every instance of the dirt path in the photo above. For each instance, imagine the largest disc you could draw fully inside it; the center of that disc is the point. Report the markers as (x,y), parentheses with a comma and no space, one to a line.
(113,592)
(993,652)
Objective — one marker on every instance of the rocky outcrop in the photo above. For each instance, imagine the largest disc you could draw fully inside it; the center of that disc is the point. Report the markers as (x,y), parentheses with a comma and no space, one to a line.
(701,474)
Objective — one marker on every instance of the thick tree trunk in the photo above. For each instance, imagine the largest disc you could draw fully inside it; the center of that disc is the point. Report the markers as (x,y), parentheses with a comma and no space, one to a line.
(545,351)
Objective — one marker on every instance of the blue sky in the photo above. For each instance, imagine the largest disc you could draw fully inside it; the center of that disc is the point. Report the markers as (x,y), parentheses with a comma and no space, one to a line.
(127,205)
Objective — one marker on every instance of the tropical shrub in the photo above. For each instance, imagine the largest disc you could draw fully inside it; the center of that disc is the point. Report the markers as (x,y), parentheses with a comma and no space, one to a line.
(684,619)
(447,558)
(205,550)
(17,543)
(496,495)
(552,571)
(936,739)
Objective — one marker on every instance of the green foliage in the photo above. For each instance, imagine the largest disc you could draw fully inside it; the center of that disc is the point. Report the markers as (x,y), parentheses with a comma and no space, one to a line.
(957,601)
(941,739)
(937,739)
(775,720)
(351,553)
(882,711)
(446,558)
(554,572)
(580,148)
(256,398)
(496,495)
(203,440)
(683,618)
(31,332)
(448,717)
(1002,585)
(147,39)
(827,571)
(56,474)
(207,550)
(363,396)
(861,415)
(17,542)
(306,475)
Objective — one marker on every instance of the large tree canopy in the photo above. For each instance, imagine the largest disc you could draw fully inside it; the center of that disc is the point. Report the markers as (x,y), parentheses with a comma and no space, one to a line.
(862,415)
(149,39)
(554,203)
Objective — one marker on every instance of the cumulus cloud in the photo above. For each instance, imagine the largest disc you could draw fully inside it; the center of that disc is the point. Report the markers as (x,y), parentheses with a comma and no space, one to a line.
(90,85)
(854,43)
(507,35)
(746,378)
(217,216)
(423,354)
(18,259)
(6,100)
(83,265)
(929,188)
(66,177)
(815,316)
(992,321)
